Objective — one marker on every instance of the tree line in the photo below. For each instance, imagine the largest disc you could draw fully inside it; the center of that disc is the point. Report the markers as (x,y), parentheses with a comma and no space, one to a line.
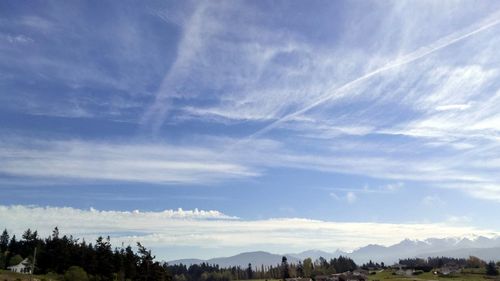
(430,263)
(437,262)
(57,254)
(67,258)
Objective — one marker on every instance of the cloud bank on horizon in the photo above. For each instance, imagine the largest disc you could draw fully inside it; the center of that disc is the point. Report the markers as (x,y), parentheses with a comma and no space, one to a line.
(323,111)
(213,230)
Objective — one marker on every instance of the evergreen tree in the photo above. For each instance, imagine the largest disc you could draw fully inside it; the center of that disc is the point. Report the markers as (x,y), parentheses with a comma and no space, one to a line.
(55,233)
(104,258)
(284,268)
(300,270)
(145,262)
(491,269)
(4,241)
(249,271)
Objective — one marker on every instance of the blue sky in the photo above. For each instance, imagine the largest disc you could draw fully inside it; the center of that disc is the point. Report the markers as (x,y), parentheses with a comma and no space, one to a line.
(316,124)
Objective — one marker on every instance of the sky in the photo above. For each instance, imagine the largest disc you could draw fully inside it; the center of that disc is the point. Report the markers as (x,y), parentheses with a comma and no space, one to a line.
(209,128)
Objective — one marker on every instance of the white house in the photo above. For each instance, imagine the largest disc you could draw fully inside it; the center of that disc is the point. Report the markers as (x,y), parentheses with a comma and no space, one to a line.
(22,267)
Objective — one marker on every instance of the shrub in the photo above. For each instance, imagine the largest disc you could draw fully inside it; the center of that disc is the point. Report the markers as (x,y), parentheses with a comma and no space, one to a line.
(75,273)
(51,276)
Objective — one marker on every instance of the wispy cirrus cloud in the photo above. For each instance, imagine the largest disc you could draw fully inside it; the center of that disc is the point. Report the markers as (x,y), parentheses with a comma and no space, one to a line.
(350,197)
(399,91)
(429,101)
(472,170)
(303,76)
(133,162)
(433,201)
(351,194)
(62,63)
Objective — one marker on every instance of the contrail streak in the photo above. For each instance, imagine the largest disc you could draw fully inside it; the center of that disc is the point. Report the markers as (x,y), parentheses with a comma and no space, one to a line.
(411,57)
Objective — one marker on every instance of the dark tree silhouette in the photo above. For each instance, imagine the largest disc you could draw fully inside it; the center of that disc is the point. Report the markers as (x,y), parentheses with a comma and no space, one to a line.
(285,268)
(249,271)
(491,269)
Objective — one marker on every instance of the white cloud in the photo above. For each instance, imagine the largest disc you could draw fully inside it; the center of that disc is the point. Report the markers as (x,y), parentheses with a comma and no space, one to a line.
(453,107)
(394,186)
(140,162)
(37,22)
(22,39)
(406,112)
(388,188)
(259,74)
(195,31)
(351,197)
(64,58)
(433,201)
(351,194)
(334,196)
(215,161)
(212,229)
(336,92)
(459,219)
(482,190)
(443,103)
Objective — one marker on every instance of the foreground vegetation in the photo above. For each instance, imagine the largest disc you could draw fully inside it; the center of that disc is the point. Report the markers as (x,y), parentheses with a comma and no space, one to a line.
(64,258)
(6,275)
(68,259)
(465,276)
(469,269)
(382,275)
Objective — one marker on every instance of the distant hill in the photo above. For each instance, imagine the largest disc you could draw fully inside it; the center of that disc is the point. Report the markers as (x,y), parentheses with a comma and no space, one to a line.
(315,254)
(482,247)
(187,262)
(459,247)
(255,258)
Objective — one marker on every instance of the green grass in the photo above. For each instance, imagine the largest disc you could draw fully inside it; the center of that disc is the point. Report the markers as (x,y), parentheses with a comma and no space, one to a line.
(466,276)
(261,280)
(6,275)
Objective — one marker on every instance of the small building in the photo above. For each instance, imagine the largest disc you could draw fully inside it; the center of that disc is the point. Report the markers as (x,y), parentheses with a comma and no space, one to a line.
(22,267)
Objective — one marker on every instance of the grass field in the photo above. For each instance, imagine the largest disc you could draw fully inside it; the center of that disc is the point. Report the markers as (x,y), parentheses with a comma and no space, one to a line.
(380,276)
(6,275)
(261,280)
(467,276)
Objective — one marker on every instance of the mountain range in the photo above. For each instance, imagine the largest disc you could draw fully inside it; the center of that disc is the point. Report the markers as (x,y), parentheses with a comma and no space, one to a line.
(482,247)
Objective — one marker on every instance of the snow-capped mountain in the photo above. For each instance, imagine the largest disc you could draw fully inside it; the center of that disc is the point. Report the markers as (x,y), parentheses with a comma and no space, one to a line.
(482,247)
